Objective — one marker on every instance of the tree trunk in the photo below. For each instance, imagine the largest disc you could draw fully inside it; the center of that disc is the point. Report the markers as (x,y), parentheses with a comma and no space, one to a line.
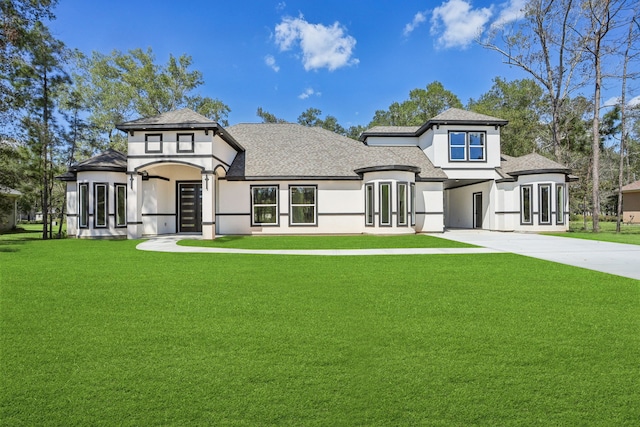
(623,126)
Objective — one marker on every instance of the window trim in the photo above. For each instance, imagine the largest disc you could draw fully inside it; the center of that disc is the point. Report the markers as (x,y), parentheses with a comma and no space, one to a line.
(467,146)
(315,206)
(83,205)
(560,207)
(117,205)
(389,204)
(412,203)
(369,205)
(530,198)
(399,209)
(146,143)
(540,204)
(189,150)
(253,205)
(96,201)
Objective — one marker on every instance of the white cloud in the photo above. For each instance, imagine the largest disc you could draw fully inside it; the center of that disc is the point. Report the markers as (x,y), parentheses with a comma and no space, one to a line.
(511,11)
(322,46)
(281,6)
(418,19)
(271,63)
(456,24)
(309,92)
(615,100)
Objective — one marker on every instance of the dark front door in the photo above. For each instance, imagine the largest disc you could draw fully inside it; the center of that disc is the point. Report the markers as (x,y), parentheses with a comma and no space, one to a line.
(477,210)
(189,207)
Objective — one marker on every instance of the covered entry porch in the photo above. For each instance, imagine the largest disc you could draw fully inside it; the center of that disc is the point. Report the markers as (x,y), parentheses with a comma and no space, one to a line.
(171,198)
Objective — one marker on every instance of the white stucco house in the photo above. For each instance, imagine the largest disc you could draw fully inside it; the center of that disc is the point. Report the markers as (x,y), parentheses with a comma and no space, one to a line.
(186,174)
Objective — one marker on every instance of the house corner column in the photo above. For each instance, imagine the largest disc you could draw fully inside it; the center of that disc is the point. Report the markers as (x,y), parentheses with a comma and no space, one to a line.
(134,206)
(208,206)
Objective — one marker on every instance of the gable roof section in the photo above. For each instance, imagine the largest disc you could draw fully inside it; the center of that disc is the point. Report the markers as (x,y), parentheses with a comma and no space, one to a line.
(633,187)
(448,117)
(184,119)
(287,150)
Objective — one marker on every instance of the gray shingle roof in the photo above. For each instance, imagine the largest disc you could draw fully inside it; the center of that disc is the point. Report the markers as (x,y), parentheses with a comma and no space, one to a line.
(107,161)
(457,115)
(451,116)
(291,150)
(531,163)
(182,116)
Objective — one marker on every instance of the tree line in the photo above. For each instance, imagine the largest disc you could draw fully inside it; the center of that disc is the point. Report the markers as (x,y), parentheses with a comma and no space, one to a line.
(59,106)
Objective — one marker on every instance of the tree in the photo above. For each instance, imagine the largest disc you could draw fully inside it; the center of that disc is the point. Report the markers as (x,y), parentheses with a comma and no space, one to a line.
(267,117)
(17,20)
(123,86)
(311,118)
(422,105)
(36,80)
(520,102)
(546,46)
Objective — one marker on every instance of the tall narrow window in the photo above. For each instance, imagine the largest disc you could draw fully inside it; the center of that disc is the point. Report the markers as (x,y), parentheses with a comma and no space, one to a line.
(545,204)
(413,204)
(369,206)
(560,203)
(303,205)
(264,205)
(100,207)
(121,205)
(402,203)
(83,208)
(385,203)
(526,208)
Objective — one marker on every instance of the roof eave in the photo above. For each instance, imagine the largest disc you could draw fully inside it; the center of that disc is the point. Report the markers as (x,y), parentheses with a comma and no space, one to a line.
(432,123)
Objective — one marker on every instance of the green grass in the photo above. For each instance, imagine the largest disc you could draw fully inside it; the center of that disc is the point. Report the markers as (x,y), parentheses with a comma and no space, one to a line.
(326,242)
(98,333)
(629,233)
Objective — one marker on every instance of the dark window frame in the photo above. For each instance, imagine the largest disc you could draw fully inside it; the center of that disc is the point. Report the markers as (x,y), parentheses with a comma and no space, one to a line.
(315,206)
(522,208)
(96,202)
(412,203)
(389,204)
(369,205)
(467,146)
(540,204)
(400,211)
(253,205)
(560,210)
(190,150)
(146,143)
(116,187)
(83,205)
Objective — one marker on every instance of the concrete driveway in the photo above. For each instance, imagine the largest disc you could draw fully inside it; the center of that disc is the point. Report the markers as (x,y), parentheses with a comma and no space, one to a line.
(614,258)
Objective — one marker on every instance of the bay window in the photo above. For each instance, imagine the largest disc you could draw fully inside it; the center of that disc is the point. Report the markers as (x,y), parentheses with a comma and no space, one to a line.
(526,208)
(100,209)
(83,208)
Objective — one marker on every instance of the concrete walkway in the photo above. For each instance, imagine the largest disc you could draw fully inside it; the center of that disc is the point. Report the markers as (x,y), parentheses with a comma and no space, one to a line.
(170,244)
(614,258)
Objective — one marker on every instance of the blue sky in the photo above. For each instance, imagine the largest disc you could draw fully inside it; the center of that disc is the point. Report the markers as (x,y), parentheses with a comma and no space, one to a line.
(347,58)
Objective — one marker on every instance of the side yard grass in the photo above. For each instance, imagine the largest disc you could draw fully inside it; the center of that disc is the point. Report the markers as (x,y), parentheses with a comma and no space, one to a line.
(629,233)
(96,332)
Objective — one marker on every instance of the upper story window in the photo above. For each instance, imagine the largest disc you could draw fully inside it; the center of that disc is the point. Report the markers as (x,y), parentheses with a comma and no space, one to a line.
(467,146)
(185,142)
(153,143)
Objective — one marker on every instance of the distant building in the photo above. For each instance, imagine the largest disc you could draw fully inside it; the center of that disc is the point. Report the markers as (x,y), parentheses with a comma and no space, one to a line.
(8,208)
(631,203)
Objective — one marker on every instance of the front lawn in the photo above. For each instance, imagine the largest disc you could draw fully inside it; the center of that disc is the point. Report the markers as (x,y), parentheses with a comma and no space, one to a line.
(99,333)
(360,241)
(629,233)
